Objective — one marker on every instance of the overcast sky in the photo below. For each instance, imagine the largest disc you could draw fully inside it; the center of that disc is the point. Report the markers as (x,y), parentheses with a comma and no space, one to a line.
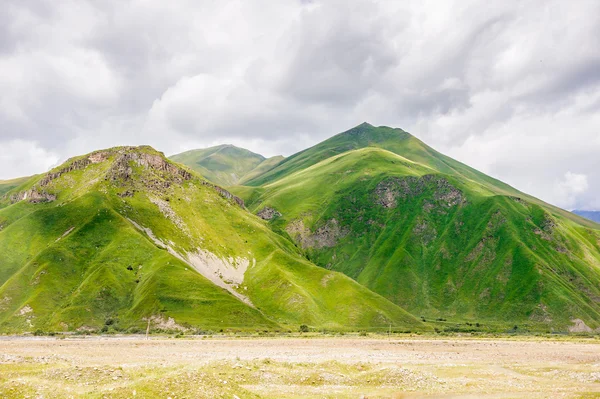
(511,88)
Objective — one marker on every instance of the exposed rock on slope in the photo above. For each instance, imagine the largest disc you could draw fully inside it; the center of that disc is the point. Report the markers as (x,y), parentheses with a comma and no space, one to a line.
(433,235)
(130,237)
(268,213)
(325,236)
(390,190)
(34,196)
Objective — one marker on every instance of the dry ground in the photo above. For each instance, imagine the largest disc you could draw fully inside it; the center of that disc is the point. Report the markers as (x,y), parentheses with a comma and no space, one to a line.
(299,368)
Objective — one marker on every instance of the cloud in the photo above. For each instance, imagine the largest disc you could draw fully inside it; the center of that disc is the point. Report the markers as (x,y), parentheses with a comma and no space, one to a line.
(25,158)
(571,185)
(511,88)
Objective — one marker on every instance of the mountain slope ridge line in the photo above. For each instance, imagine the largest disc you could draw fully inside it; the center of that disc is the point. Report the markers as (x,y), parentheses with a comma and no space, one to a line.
(108,273)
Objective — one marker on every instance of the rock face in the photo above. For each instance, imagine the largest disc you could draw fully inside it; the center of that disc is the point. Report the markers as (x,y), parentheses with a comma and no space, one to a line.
(325,236)
(579,326)
(121,169)
(268,213)
(37,194)
(123,161)
(226,194)
(33,196)
(227,273)
(425,231)
(389,191)
(547,228)
(74,165)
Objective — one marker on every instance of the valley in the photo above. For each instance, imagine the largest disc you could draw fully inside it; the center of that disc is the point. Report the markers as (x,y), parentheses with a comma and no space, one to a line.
(300,366)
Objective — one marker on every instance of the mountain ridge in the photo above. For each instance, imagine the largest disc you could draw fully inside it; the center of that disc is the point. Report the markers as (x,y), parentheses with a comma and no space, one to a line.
(225,164)
(389,138)
(393,224)
(122,237)
(354,204)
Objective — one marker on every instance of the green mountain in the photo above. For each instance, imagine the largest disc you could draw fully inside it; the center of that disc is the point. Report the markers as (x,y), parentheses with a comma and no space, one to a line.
(7,185)
(262,168)
(123,237)
(431,234)
(226,165)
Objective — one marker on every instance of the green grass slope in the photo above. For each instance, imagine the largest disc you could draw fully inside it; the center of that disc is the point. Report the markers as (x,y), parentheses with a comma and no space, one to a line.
(433,235)
(7,185)
(118,237)
(262,168)
(225,165)
(404,144)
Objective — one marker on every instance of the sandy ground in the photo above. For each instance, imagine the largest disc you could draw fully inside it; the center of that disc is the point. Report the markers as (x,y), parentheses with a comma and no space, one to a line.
(294,368)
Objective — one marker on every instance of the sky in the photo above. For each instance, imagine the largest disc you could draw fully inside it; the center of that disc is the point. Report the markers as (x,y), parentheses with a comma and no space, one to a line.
(511,88)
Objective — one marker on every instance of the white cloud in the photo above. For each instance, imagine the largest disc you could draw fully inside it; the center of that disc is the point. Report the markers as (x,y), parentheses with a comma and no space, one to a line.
(24,158)
(570,187)
(512,88)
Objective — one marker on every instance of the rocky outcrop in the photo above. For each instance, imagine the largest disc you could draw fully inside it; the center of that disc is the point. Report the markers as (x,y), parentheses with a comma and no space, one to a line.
(121,169)
(325,236)
(98,156)
(227,273)
(425,231)
(124,161)
(391,190)
(548,231)
(77,164)
(547,228)
(34,196)
(225,194)
(164,323)
(579,326)
(268,213)
(445,193)
(169,213)
(37,195)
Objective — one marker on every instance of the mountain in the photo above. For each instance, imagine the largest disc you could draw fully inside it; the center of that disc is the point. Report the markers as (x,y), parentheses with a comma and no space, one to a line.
(431,234)
(7,185)
(591,215)
(262,168)
(226,165)
(123,237)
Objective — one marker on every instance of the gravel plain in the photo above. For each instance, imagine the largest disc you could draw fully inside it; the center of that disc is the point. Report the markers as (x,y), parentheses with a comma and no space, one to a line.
(315,367)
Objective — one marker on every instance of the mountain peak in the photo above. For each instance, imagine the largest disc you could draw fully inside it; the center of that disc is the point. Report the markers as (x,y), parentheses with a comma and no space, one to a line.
(126,169)
(366,134)
(225,164)
(365,126)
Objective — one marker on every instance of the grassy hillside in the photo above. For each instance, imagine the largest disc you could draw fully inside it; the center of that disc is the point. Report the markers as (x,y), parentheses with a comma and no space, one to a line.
(262,168)
(7,185)
(114,238)
(404,144)
(226,165)
(431,234)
